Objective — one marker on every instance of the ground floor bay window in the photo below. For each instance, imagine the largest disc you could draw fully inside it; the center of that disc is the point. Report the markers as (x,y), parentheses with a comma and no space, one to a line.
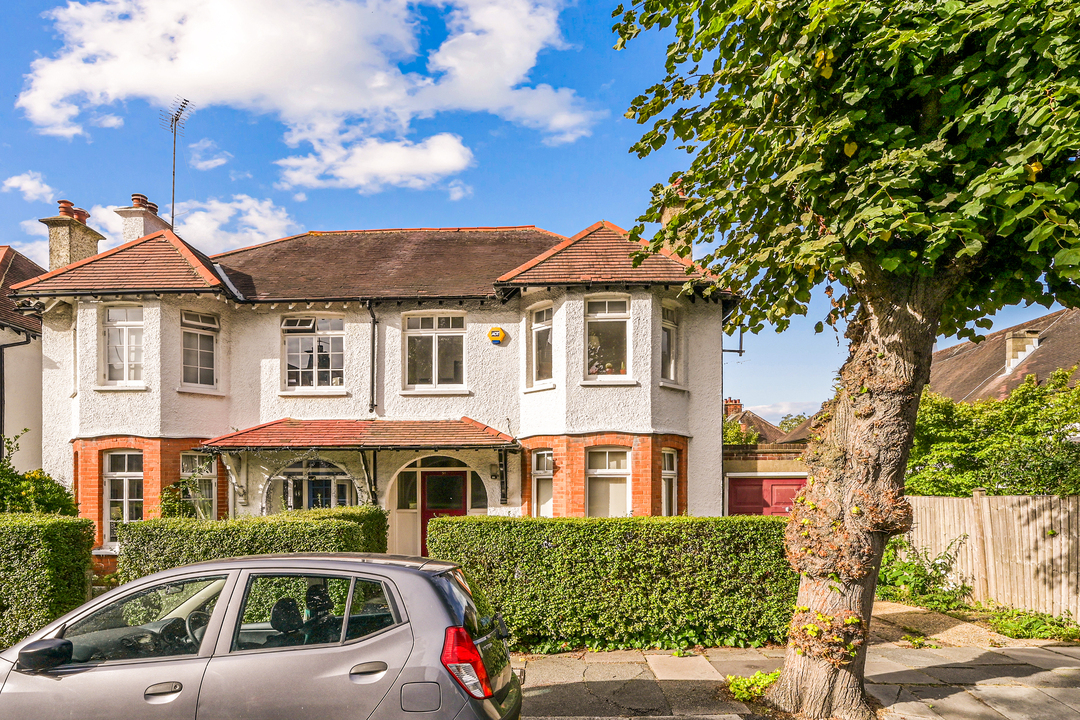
(607,481)
(123,491)
(309,484)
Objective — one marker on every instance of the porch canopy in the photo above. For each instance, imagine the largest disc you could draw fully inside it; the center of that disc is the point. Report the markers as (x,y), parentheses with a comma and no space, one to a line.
(463,434)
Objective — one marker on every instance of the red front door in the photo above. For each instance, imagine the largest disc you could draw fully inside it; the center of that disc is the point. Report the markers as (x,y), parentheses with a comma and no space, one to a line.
(779,495)
(762,496)
(442,493)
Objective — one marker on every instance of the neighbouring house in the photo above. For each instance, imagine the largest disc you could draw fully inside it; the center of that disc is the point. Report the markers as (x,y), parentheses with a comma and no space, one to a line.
(998,364)
(20,364)
(763,478)
(501,370)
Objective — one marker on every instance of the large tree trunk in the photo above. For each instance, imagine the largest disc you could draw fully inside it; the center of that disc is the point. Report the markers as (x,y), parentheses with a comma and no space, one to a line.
(853,500)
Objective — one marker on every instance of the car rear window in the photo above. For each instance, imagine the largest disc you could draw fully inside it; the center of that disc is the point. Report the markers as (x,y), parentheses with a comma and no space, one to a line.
(471,608)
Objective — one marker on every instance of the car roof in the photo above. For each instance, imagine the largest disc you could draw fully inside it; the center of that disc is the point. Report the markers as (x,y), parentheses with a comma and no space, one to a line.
(337,560)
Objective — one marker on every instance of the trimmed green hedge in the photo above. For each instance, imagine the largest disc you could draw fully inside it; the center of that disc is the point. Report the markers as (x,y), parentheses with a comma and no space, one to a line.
(44,570)
(629,582)
(152,545)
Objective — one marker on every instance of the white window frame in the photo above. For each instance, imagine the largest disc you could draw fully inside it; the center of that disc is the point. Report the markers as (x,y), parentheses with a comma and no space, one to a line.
(124,327)
(337,474)
(608,473)
(618,374)
(199,325)
(542,470)
(294,326)
(541,318)
(108,476)
(205,469)
(669,322)
(669,479)
(435,333)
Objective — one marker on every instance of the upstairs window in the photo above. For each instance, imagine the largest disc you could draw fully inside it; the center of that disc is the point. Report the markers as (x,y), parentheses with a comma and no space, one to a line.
(314,352)
(200,342)
(123,345)
(541,344)
(669,344)
(434,351)
(606,323)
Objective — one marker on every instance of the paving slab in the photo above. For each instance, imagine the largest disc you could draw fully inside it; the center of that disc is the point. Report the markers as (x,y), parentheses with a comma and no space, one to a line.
(614,656)
(906,656)
(1066,696)
(886,672)
(954,703)
(747,667)
(969,656)
(698,697)
(1072,651)
(553,670)
(1041,657)
(774,652)
(669,667)
(1022,703)
(1004,675)
(899,701)
(628,685)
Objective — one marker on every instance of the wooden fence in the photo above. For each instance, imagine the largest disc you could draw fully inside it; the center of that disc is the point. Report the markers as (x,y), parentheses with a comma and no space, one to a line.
(1021,550)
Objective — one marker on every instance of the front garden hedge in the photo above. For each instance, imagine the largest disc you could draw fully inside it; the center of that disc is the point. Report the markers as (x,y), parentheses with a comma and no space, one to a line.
(158,544)
(638,582)
(44,570)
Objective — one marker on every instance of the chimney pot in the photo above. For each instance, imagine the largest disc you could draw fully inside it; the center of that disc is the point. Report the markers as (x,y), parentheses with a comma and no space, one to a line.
(66,208)
(152,207)
(141,219)
(70,238)
(81,215)
(138,200)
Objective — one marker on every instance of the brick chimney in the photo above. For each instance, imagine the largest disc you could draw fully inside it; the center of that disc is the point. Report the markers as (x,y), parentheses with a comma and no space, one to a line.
(70,238)
(1018,345)
(141,218)
(732,406)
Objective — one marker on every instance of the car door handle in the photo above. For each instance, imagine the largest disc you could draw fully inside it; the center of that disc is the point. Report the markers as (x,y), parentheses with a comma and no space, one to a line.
(165,688)
(368,668)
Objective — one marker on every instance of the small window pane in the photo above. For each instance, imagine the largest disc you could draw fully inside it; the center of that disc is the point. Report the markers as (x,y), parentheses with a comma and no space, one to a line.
(135,488)
(457,322)
(444,322)
(596,306)
(420,360)
(667,353)
(669,316)
(370,610)
(616,460)
(118,463)
(607,347)
(616,306)
(134,314)
(607,497)
(598,460)
(412,323)
(545,498)
(134,462)
(542,463)
(441,461)
(445,491)
(116,491)
(451,359)
(134,510)
(478,497)
(407,490)
(543,353)
(669,462)
(426,323)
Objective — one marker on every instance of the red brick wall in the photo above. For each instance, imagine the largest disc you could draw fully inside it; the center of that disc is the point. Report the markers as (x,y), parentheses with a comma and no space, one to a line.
(161,466)
(568,481)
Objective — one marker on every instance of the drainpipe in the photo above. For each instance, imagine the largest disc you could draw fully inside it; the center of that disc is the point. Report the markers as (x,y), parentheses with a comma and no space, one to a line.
(3,385)
(371,388)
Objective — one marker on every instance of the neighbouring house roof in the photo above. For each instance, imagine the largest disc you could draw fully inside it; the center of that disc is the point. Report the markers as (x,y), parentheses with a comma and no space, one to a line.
(16,268)
(799,434)
(159,262)
(465,433)
(749,420)
(977,371)
(396,264)
(599,254)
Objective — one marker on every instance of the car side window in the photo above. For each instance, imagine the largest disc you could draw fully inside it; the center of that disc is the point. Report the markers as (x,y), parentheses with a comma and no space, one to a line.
(164,620)
(370,611)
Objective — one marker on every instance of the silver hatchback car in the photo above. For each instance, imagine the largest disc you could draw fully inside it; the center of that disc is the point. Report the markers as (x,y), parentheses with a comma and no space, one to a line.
(273,636)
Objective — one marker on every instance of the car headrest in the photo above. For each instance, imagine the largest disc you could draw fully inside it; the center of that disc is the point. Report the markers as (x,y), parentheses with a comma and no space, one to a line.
(318,600)
(285,616)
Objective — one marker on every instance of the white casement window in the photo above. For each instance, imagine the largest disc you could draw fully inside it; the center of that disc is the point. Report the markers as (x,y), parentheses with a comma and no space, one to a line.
(123,330)
(541,345)
(670,478)
(200,348)
(314,352)
(608,478)
(123,491)
(606,332)
(669,345)
(543,469)
(200,470)
(434,351)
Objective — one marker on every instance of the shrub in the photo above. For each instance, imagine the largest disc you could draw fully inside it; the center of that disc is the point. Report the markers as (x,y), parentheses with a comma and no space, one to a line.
(30,492)
(627,582)
(910,575)
(44,570)
(152,545)
(1027,624)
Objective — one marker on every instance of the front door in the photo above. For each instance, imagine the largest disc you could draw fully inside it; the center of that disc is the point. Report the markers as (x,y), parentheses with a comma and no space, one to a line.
(442,493)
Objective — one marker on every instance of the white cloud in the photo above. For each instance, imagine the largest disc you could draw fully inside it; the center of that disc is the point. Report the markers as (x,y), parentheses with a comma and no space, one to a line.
(32,185)
(109,224)
(36,250)
(205,155)
(459,190)
(330,70)
(776,411)
(235,175)
(216,225)
(108,121)
(300,197)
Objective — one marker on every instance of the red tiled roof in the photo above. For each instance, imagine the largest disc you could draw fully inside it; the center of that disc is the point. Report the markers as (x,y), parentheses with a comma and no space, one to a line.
(403,263)
(160,261)
(600,253)
(370,434)
(16,268)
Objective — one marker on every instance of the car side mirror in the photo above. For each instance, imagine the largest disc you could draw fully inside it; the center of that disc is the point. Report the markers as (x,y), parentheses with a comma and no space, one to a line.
(42,655)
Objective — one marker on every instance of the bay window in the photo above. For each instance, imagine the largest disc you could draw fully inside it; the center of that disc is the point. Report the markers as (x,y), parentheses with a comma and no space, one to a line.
(543,468)
(606,325)
(123,491)
(670,479)
(607,477)
(123,331)
(434,351)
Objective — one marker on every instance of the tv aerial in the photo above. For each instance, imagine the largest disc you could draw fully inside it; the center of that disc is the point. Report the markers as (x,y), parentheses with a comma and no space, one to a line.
(174,120)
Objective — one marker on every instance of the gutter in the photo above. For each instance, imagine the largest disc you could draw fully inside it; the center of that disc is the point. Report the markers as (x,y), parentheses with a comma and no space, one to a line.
(371,388)
(3,384)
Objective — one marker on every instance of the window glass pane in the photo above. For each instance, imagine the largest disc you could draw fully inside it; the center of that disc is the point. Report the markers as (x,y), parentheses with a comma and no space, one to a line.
(451,359)
(444,322)
(669,461)
(667,342)
(134,314)
(134,462)
(292,610)
(118,463)
(406,491)
(543,353)
(542,463)
(116,490)
(426,323)
(616,460)
(607,497)
(545,498)
(135,488)
(457,322)
(669,316)
(322,324)
(206,376)
(420,361)
(134,510)
(412,323)
(607,347)
(370,610)
(595,306)
(115,315)
(598,460)
(337,324)
(445,491)
(669,496)
(478,497)
(319,492)
(616,306)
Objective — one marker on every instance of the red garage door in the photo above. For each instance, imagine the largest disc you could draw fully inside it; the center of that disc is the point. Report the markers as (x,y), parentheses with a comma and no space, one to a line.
(762,495)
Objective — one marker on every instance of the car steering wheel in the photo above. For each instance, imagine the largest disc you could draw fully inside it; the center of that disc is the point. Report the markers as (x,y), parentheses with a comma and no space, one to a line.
(196,623)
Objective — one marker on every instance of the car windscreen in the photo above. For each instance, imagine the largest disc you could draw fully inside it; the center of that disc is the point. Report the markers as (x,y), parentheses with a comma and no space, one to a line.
(469,605)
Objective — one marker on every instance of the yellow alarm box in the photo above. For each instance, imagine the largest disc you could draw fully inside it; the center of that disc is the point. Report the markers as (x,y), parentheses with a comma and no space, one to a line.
(497,335)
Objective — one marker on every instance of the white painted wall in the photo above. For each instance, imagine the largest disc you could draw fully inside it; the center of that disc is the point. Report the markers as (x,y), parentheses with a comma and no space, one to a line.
(22,400)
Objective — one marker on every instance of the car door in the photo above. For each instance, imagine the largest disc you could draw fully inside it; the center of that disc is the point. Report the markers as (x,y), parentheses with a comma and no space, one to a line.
(306,644)
(133,657)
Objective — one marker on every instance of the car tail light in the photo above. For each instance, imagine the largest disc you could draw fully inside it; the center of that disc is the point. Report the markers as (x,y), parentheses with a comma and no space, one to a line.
(462,659)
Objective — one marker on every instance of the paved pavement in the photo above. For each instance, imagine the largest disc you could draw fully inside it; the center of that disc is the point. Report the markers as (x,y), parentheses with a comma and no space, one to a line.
(1033,681)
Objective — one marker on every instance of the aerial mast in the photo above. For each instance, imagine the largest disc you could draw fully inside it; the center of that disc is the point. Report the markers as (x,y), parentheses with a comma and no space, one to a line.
(174,120)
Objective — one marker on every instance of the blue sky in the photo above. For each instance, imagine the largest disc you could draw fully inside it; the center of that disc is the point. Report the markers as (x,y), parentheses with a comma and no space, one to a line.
(348,114)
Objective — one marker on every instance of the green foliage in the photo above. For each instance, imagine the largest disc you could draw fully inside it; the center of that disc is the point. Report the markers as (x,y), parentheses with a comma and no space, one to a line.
(607,583)
(158,544)
(909,575)
(174,503)
(859,145)
(735,435)
(751,689)
(789,422)
(30,492)
(1016,446)
(1026,624)
(44,570)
